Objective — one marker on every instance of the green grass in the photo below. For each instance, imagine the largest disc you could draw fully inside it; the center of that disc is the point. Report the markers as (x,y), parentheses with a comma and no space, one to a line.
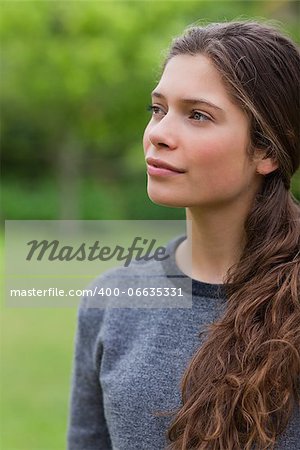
(35,361)
(37,347)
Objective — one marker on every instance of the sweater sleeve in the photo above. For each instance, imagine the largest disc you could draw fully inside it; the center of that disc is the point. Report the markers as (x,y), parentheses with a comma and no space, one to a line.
(87,429)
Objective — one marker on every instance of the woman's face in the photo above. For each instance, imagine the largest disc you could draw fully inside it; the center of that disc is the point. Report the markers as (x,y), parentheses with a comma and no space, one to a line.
(195,127)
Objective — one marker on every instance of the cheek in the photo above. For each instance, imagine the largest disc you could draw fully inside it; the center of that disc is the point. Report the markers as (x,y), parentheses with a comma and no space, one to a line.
(219,150)
(219,160)
(207,154)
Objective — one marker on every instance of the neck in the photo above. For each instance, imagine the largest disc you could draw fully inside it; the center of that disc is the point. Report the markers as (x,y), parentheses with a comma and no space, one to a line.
(215,241)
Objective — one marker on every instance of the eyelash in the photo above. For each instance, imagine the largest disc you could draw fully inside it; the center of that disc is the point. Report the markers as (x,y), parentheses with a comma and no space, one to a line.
(155,110)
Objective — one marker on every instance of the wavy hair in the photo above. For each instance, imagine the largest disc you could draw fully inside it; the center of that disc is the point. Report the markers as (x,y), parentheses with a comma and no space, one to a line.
(242,385)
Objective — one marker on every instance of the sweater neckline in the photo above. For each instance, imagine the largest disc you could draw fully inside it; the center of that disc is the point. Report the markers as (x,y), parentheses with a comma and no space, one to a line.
(186,283)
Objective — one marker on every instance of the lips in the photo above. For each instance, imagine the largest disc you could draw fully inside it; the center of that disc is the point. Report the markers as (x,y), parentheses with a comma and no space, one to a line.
(158,163)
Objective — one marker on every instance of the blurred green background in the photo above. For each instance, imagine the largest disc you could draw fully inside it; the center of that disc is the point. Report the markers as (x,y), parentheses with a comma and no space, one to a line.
(75,83)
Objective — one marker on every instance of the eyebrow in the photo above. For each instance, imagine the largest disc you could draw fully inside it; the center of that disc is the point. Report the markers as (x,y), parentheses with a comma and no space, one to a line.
(190,101)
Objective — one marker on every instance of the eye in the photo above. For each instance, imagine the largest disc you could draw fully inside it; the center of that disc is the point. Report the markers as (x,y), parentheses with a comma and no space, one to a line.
(156,110)
(199,116)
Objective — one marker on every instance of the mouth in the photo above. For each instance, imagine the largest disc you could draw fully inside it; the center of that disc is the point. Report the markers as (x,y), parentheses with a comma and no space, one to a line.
(155,165)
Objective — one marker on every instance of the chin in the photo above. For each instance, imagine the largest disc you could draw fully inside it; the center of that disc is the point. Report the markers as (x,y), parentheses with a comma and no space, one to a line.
(164,200)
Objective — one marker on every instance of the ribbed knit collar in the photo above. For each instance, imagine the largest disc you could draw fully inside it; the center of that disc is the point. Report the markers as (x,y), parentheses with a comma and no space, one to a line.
(179,279)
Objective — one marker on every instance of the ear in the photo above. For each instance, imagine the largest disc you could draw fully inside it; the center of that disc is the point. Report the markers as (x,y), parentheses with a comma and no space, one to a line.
(265,164)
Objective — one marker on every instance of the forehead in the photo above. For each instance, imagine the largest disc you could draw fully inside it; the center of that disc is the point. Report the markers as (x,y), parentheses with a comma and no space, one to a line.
(193,76)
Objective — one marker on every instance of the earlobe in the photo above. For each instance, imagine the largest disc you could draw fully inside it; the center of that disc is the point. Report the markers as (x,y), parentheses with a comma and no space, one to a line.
(265,161)
(266,165)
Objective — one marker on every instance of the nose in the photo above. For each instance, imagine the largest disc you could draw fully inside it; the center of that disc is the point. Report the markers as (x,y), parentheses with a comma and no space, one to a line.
(162,134)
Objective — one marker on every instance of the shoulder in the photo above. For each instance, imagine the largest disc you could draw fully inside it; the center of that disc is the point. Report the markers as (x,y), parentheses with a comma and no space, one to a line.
(290,438)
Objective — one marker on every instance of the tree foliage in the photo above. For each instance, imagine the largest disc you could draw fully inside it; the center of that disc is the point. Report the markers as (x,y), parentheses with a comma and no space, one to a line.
(76,78)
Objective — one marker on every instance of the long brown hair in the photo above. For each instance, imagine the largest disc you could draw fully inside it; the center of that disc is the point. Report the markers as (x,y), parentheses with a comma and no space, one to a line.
(242,384)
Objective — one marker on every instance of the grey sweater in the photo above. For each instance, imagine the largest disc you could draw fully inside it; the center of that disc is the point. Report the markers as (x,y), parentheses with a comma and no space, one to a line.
(129,361)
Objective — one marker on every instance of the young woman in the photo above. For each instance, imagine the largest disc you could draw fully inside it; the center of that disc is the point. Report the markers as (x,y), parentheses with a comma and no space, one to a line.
(223,142)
